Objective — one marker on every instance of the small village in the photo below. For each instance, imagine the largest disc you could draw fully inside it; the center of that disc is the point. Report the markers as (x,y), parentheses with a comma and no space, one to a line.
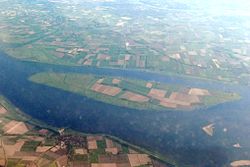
(184,63)
(26,145)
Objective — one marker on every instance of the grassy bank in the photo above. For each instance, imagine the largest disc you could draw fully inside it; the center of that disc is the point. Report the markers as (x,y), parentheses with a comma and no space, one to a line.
(81,84)
(15,114)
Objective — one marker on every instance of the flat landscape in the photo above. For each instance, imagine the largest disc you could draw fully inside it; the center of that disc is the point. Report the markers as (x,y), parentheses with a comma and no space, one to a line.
(134,83)
(30,143)
(136,94)
(162,39)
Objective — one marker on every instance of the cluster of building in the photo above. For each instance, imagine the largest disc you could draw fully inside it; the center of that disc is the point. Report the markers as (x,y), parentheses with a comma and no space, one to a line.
(22,144)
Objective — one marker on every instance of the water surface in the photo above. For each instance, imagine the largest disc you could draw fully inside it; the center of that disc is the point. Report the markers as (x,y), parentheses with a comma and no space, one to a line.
(171,133)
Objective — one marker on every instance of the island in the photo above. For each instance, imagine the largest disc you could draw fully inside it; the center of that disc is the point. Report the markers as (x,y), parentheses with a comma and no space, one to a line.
(135,93)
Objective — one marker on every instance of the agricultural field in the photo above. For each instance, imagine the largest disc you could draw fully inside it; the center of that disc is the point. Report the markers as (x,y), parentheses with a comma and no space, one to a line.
(36,144)
(135,94)
(161,39)
(171,77)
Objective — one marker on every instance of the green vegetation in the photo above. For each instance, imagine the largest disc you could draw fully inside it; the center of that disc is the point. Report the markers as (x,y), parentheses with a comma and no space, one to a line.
(93,156)
(69,36)
(101,145)
(133,87)
(48,160)
(82,84)
(49,141)
(30,146)
(219,97)
(13,162)
(15,114)
(125,149)
(47,157)
(80,158)
(53,164)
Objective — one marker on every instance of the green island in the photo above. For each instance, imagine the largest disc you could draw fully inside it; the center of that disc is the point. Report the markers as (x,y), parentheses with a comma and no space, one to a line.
(135,94)
(29,142)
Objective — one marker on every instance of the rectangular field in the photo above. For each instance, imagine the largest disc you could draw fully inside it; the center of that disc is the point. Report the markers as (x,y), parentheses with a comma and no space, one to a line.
(134,97)
(104,89)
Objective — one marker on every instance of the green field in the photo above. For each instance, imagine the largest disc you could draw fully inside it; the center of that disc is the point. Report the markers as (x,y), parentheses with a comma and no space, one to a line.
(30,146)
(81,84)
(88,30)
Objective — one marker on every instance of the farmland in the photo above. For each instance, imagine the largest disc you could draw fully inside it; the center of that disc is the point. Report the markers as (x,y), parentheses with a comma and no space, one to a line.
(86,33)
(135,94)
(72,149)
(137,83)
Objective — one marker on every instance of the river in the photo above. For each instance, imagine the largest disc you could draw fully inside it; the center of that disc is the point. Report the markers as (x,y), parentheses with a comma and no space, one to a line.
(174,134)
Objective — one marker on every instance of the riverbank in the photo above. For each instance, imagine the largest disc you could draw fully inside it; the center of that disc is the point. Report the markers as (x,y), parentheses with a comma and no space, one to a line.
(135,94)
(173,134)
(14,114)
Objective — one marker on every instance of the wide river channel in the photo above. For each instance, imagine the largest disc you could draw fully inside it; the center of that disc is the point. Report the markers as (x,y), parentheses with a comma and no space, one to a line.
(175,134)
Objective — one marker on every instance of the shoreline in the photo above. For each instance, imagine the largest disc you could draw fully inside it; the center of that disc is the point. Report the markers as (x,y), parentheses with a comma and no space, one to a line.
(32,121)
(152,72)
(43,67)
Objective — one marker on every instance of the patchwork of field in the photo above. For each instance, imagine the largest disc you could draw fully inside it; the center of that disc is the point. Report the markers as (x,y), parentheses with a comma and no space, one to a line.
(192,41)
(26,144)
(15,127)
(2,110)
(136,94)
(105,89)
